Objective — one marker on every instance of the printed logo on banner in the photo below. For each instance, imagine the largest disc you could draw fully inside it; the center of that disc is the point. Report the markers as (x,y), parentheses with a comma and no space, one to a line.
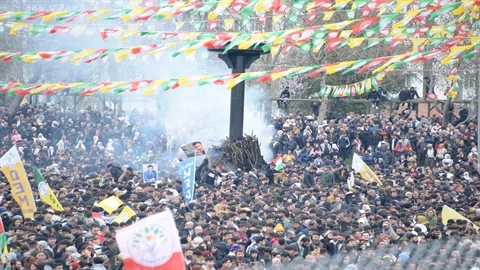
(148,244)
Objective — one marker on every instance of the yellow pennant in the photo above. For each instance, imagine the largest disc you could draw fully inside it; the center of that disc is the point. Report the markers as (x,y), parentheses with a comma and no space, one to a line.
(390,61)
(278,75)
(178,25)
(228,24)
(222,5)
(398,32)
(355,42)
(437,31)
(331,69)
(52,15)
(417,42)
(276,19)
(275,49)
(153,86)
(81,54)
(327,15)
(345,34)
(407,18)
(262,6)
(98,14)
(455,51)
(401,4)
(16,27)
(338,26)
(340,4)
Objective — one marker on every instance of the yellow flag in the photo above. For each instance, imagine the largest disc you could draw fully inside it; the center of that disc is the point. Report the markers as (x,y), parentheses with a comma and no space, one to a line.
(449,213)
(455,51)
(110,204)
(360,167)
(231,83)
(278,75)
(16,27)
(52,15)
(228,24)
(338,26)
(340,4)
(275,49)
(327,15)
(178,25)
(126,214)
(185,81)
(355,42)
(407,18)
(98,14)
(78,56)
(389,62)
(46,193)
(222,5)
(13,170)
(345,34)
(261,6)
(149,90)
(276,19)
(417,42)
(338,67)
(401,4)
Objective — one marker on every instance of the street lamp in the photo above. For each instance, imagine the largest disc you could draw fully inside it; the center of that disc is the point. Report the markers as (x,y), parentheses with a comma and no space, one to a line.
(238,60)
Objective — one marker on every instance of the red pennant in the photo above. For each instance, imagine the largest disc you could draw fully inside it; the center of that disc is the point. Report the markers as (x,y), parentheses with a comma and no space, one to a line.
(316,72)
(395,42)
(212,24)
(38,14)
(362,25)
(462,29)
(420,32)
(57,28)
(333,43)
(322,4)
(311,17)
(149,12)
(81,15)
(276,5)
(22,92)
(107,32)
(374,62)
(427,11)
(286,48)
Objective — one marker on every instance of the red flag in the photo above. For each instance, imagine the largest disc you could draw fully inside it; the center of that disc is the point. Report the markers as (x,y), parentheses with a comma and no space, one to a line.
(333,43)
(212,24)
(374,62)
(107,32)
(316,72)
(395,42)
(57,28)
(311,17)
(360,26)
(38,14)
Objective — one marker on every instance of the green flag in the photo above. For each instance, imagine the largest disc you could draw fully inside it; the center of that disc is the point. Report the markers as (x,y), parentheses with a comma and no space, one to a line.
(3,236)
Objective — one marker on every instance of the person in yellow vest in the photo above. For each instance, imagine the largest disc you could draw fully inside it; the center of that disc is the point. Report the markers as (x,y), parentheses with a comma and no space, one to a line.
(288,157)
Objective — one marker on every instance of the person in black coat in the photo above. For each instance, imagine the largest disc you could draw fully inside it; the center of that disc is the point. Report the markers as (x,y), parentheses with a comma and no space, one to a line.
(374,97)
(115,171)
(270,172)
(309,177)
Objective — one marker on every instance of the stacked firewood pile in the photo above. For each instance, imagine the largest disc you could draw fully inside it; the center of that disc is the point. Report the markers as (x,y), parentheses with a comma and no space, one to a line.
(244,154)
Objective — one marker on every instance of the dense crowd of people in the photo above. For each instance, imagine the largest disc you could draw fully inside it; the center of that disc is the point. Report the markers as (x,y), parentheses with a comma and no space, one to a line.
(307,214)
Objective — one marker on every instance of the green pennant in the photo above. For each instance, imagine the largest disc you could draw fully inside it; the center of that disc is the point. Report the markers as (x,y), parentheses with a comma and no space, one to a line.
(371,32)
(22,15)
(247,11)
(373,42)
(386,20)
(37,29)
(266,47)
(358,64)
(444,9)
(470,55)
(197,25)
(425,3)
(66,16)
(320,34)
(350,14)
(292,19)
(299,5)
(305,47)
(361,3)
(207,7)
(246,22)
